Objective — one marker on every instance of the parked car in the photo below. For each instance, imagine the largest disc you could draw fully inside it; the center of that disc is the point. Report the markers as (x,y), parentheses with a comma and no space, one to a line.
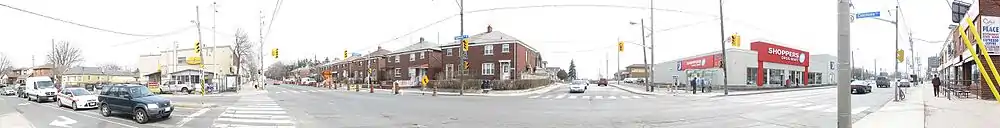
(905,83)
(176,86)
(76,98)
(135,100)
(6,91)
(602,82)
(860,87)
(882,82)
(578,86)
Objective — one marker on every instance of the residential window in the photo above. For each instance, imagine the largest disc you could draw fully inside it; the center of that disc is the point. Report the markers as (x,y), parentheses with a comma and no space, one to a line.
(449,51)
(180,60)
(421,55)
(487,68)
(413,57)
(449,70)
(505,48)
(396,71)
(488,49)
(397,58)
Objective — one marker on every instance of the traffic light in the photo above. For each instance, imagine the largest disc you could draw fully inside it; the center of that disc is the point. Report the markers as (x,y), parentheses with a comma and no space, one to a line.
(197,47)
(465,45)
(274,52)
(621,46)
(736,40)
(345,54)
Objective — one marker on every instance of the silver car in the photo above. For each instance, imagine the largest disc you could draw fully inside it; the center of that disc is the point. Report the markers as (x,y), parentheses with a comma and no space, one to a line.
(578,86)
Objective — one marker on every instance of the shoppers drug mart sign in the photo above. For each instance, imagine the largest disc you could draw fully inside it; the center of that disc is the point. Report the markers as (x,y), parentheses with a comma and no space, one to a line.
(768,52)
(991,34)
(702,62)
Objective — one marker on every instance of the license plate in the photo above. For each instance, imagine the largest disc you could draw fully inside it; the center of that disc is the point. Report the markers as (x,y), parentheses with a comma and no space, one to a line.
(168,109)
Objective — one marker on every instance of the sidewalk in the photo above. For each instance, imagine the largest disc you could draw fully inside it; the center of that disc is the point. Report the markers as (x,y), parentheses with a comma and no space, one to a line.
(245,90)
(536,90)
(922,109)
(640,89)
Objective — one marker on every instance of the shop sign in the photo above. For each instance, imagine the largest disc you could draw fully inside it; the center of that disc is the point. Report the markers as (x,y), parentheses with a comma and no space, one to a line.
(703,62)
(768,52)
(991,34)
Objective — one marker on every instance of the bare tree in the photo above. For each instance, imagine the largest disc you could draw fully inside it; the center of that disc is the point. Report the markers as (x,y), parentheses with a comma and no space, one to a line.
(246,64)
(5,64)
(276,71)
(63,57)
(112,67)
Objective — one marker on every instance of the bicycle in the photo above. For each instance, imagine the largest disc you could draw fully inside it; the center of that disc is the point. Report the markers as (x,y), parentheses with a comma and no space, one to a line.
(900,93)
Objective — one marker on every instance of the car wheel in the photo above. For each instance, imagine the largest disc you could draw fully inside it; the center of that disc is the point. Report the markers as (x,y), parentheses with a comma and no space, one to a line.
(74,106)
(140,116)
(185,90)
(105,111)
(38,99)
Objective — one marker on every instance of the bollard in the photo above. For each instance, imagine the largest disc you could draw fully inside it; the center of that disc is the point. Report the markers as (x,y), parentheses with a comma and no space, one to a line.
(395,88)
(435,91)
(371,88)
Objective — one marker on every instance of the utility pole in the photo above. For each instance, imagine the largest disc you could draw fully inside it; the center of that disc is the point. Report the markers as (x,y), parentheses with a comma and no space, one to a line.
(215,58)
(201,56)
(463,53)
(642,23)
(896,64)
(652,51)
(843,70)
(722,38)
(261,54)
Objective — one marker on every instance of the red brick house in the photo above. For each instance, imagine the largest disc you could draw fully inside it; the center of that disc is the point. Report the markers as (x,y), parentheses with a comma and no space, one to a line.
(412,62)
(492,55)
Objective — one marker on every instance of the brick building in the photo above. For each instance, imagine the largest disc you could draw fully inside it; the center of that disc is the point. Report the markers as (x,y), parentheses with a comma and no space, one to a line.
(958,68)
(493,55)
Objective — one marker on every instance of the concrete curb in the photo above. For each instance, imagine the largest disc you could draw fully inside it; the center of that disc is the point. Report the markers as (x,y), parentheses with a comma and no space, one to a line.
(777,90)
(633,90)
(531,91)
(193,105)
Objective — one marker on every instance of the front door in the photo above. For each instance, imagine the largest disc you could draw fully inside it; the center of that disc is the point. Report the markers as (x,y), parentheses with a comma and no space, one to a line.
(505,70)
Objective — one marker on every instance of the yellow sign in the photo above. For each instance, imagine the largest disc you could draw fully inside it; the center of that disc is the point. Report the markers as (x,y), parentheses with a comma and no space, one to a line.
(736,40)
(424,80)
(197,47)
(345,54)
(621,46)
(274,52)
(193,60)
(158,67)
(465,44)
(900,56)
(466,64)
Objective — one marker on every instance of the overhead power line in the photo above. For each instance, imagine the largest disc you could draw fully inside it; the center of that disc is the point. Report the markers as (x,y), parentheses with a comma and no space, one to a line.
(274,14)
(78,24)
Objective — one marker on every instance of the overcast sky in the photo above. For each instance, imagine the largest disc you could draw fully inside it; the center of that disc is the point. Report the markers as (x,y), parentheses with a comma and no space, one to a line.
(323,28)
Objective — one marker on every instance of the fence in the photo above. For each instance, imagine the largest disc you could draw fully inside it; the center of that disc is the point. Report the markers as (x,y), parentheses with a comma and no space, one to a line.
(967,88)
(476,84)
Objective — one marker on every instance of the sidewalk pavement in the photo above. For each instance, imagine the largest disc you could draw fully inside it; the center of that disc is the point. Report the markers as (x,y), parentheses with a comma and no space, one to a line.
(536,90)
(640,89)
(245,90)
(922,109)
(14,120)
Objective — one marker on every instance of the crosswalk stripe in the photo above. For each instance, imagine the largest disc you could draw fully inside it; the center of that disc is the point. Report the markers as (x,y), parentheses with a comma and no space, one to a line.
(625,97)
(612,97)
(536,96)
(857,110)
(831,109)
(637,97)
(815,107)
(800,104)
(598,97)
(270,121)
(585,97)
(547,96)
(256,108)
(254,116)
(560,96)
(572,97)
(649,97)
(257,112)
(781,103)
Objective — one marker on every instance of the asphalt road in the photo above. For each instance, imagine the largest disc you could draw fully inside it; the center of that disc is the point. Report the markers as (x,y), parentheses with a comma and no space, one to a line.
(310,107)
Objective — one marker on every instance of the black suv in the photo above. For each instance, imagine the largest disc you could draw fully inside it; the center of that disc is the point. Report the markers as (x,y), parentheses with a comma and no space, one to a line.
(135,100)
(882,82)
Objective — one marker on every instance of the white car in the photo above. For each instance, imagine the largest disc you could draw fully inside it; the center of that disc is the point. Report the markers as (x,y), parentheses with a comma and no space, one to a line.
(76,98)
(578,86)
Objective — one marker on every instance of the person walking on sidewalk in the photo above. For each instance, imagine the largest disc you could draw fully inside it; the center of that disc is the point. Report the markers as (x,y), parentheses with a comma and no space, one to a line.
(694,85)
(936,82)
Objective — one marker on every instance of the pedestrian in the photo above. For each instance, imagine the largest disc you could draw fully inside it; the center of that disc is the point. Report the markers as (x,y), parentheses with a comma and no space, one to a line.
(694,85)
(701,84)
(936,82)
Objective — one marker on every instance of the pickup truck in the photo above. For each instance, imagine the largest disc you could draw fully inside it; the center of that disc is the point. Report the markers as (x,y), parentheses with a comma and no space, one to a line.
(176,86)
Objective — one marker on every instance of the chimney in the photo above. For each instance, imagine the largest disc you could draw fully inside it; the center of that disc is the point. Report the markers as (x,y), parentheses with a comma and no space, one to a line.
(421,40)
(489,28)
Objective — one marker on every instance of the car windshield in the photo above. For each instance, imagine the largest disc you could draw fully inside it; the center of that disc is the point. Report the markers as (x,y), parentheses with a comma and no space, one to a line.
(579,82)
(79,92)
(859,83)
(139,92)
(44,84)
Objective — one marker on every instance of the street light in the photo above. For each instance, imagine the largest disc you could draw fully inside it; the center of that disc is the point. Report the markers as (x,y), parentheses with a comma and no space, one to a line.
(645,63)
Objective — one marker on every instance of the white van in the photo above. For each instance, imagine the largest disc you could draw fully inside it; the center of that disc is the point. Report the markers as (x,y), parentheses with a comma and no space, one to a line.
(40,88)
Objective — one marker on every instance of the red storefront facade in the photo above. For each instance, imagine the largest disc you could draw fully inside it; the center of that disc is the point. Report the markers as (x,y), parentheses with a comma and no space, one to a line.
(772,53)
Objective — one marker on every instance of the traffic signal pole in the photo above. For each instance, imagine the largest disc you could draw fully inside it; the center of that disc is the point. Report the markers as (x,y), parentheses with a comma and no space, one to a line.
(844,63)
(722,37)
(201,57)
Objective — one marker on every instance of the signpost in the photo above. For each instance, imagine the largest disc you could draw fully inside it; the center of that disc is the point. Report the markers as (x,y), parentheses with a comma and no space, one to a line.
(867,15)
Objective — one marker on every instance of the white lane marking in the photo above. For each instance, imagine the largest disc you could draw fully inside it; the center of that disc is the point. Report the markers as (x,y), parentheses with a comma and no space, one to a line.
(598,97)
(277,92)
(781,103)
(572,97)
(255,108)
(66,121)
(102,119)
(254,116)
(246,126)
(532,97)
(612,97)
(637,97)
(800,104)
(269,121)
(191,117)
(649,97)
(625,97)
(560,96)
(547,96)
(257,112)
(857,110)
(831,109)
(815,107)
(585,97)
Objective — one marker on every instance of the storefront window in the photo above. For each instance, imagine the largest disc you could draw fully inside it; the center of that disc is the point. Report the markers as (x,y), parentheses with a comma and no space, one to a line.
(777,76)
(752,76)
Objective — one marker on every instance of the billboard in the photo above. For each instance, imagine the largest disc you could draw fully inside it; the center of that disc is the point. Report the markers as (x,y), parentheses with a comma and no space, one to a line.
(702,62)
(990,33)
(768,52)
